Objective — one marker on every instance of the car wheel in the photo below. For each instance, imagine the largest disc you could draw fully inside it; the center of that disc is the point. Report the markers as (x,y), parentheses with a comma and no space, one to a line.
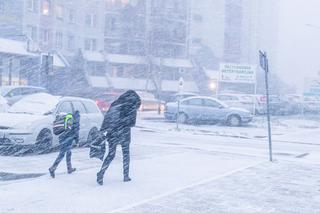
(182,118)
(92,136)
(234,120)
(44,140)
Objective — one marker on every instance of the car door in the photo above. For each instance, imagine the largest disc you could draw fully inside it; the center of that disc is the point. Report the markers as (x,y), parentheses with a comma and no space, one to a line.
(214,110)
(84,120)
(94,114)
(64,108)
(193,108)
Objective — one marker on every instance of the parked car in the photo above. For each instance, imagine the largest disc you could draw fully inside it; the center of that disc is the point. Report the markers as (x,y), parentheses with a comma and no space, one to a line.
(149,102)
(105,100)
(311,104)
(284,105)
(15,93)
(30,120)
(253,103)
(3,104)
(206,109)
(180,95)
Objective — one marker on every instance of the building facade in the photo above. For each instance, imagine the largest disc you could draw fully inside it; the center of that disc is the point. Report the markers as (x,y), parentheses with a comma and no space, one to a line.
(232,31)
(120,40)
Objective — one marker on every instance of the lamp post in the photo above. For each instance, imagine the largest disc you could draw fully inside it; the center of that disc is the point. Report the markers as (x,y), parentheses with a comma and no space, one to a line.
(180,89)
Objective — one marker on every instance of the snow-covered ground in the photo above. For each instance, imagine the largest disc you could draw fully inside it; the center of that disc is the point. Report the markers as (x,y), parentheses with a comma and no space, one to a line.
(193,169)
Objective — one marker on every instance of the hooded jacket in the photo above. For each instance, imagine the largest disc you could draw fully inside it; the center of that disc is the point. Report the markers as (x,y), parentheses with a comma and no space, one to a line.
(122,113)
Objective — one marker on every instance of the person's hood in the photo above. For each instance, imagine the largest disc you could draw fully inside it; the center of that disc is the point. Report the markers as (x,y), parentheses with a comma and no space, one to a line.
(19,121)
(129,98)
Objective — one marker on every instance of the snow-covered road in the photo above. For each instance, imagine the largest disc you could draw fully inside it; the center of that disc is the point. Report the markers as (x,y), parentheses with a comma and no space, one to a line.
(195,169)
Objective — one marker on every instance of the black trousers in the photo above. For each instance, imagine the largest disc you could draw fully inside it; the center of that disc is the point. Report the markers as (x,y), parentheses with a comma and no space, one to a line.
(65,150)
(122,138)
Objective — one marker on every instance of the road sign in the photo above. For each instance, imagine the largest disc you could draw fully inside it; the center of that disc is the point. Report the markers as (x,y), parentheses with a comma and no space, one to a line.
(263,61)
(238,73)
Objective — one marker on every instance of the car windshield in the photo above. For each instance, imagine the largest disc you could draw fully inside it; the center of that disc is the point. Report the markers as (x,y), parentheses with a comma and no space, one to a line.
(4,90)
(38,104)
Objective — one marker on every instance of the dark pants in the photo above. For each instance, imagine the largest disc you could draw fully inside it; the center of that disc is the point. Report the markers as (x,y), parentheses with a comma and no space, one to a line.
(65,149)
(123,139)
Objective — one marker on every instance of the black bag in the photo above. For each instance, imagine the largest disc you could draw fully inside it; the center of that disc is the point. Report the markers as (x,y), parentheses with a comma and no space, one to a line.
(98,148)
(58,125)
(60,122)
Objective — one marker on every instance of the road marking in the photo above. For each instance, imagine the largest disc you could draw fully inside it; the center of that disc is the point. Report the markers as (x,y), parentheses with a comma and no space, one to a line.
(202,182)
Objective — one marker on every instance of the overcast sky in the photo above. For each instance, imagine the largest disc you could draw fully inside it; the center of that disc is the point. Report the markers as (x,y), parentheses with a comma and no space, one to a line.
(299,45)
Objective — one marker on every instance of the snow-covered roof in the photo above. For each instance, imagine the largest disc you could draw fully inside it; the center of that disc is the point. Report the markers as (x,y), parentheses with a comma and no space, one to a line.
(173,62)
(212,74)
(125,59)
(57,61)
(131,83)
(99,81)
(93,56)
(15,47)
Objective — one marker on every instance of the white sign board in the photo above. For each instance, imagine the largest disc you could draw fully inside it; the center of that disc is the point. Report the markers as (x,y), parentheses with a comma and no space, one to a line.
(238,73)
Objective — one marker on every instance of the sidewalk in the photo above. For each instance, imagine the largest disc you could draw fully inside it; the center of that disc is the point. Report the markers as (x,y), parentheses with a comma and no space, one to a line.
(278,187)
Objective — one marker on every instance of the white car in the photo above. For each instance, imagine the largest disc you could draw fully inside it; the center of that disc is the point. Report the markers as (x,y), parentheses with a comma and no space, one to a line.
(3,104)
(30,120)
(14,93)
(253,103)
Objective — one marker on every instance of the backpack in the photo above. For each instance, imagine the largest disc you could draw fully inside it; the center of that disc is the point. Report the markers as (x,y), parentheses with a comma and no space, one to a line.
(61,123)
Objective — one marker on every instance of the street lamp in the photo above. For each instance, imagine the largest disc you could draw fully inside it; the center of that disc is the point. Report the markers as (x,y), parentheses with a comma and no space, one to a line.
(213,85)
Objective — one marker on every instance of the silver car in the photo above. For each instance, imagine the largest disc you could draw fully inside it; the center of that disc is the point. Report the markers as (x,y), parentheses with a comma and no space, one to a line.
(206,109)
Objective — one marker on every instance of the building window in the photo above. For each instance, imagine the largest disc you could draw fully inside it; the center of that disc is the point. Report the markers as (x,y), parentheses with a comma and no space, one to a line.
(45,36)
(33,5)
(71,16)
(71,42)
(46,8)
(197,18)
(59,40)
(32,32)
(91,20)
(1,70)
(91,44)
(2,7)
(59,11)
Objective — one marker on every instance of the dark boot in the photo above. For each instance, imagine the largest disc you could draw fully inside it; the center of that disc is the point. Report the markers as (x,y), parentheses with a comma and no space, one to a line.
(52,174)
(100,178)
(72,170)
(126,179)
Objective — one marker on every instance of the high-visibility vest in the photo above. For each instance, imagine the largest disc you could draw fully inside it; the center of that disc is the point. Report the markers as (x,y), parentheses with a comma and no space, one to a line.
(67,119)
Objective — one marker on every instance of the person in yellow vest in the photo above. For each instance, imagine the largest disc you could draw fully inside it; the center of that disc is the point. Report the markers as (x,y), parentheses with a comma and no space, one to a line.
(66,139)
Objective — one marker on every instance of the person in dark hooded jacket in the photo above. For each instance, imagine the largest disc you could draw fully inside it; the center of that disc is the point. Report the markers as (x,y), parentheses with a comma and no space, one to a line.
(118,121)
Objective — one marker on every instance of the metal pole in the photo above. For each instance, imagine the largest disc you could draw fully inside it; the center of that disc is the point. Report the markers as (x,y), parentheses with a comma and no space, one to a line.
(268,109)
(178,114)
